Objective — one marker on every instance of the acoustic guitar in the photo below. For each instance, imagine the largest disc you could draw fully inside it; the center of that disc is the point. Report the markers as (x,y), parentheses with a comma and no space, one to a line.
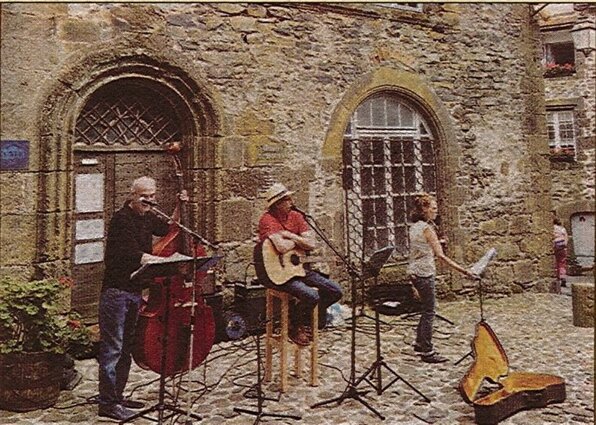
(279,268)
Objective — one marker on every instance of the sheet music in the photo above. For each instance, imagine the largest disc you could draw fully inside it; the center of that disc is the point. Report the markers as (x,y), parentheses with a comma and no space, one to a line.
(480,266)
(174,258)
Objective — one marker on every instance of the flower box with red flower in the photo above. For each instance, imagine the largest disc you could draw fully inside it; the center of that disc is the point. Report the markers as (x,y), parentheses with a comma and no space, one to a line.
(553,69)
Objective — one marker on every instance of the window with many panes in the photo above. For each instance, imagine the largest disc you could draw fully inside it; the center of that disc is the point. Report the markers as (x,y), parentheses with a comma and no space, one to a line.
(561,133)
(389,157)
(414,7)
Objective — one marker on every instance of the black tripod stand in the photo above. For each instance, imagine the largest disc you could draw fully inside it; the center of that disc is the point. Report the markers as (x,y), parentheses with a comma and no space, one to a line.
(438,316)
(351,390)
(374,372)
(260,395)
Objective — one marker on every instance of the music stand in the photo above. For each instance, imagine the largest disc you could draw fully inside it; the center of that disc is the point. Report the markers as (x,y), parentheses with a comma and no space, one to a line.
(378,259)
(167,267)
(372,269)
(479,268)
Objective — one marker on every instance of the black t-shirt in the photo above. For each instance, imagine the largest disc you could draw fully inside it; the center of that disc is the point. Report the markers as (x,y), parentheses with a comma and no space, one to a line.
(129,236)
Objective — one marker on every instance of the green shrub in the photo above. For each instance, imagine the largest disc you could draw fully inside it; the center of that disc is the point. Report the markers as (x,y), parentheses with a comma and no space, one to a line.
(31,319)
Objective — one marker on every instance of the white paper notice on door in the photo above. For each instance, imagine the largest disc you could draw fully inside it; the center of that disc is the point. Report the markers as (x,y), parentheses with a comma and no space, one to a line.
(89,193)
(89,229)
(90,252)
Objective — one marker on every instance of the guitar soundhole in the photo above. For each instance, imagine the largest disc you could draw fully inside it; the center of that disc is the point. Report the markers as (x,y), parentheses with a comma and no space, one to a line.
(294,259)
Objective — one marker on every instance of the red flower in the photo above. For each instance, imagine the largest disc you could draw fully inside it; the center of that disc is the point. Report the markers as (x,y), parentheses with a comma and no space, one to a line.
(74,324)
(66,281)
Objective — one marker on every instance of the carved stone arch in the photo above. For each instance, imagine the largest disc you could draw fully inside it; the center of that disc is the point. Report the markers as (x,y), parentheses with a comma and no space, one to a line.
(416,92)
(411,87)
(63,102)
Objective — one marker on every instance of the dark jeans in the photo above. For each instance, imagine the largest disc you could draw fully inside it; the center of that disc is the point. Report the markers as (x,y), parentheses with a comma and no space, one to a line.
(424,333)
(328,293)
(118,312)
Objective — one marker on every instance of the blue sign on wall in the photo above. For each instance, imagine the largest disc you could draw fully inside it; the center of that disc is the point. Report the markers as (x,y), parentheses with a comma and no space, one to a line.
(15,155)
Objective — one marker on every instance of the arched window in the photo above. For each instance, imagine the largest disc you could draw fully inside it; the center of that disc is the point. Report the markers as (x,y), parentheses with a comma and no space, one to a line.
(389,156)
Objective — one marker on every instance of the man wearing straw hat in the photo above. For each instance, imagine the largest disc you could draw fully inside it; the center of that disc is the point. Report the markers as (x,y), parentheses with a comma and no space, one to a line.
(288,230)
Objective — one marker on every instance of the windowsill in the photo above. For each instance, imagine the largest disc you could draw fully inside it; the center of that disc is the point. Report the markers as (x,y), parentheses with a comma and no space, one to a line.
(562,158)
(559,74)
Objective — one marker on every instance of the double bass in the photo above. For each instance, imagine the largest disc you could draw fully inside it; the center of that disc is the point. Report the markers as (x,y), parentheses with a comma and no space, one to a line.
(191,327)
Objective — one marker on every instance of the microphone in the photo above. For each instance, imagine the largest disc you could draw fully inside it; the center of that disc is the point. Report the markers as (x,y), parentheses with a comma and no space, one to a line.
(148,202)
(295,208)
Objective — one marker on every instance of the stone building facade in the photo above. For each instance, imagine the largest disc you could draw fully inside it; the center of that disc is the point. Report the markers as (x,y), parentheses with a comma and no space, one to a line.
(570,103)
(356,107)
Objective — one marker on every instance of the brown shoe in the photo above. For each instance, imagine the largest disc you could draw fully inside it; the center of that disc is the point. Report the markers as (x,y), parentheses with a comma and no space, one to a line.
(300,336)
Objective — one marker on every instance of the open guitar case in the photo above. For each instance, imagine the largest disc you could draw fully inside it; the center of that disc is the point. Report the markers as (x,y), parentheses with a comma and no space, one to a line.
(515,390)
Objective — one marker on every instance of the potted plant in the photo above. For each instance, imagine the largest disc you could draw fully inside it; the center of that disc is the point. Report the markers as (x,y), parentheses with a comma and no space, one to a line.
(35,335)
(566,153)
(553,69)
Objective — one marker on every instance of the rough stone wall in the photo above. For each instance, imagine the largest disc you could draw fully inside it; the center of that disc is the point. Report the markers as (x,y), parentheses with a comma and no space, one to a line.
(574,181)
(279,75)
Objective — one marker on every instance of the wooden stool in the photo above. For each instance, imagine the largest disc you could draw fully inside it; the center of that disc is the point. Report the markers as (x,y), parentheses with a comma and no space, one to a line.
(280,340)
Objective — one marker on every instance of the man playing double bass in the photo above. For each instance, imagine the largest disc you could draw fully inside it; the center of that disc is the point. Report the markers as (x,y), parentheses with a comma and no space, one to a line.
(288,230)
(128,246)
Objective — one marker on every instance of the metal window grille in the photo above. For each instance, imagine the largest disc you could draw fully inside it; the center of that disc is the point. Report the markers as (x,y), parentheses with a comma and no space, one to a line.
(415,7)
(561,131)
(389,157)
(127,115)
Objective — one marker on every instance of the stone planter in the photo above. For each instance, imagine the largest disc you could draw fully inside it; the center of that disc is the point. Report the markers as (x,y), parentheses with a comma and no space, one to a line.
(30,381)
(582,299)
(558,72)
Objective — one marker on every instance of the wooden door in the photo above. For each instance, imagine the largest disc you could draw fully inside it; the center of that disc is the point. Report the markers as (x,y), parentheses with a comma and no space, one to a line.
(102,185)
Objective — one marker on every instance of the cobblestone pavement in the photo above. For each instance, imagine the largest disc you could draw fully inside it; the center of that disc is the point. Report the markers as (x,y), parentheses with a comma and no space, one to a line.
(536,331)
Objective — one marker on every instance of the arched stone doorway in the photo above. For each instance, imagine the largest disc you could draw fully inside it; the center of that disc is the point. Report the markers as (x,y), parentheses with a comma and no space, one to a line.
(122,114)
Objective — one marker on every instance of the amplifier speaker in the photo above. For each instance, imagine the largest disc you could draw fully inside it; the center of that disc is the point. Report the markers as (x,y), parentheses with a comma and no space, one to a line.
(215,301)
(250,303)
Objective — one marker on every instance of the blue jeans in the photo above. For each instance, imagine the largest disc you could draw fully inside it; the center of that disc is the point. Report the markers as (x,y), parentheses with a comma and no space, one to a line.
(328,293)
(424,333)
(118,313)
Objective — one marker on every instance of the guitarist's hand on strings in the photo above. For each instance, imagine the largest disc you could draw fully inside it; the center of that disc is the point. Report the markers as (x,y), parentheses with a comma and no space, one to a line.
(305,241)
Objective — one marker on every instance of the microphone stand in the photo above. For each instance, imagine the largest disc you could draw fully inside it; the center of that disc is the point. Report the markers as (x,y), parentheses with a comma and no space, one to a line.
(196,240)
(261,397)
(351,390)
(190,232)
(480,293)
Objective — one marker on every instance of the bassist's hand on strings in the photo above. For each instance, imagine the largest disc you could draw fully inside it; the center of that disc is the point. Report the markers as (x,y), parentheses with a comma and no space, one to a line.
(183,196)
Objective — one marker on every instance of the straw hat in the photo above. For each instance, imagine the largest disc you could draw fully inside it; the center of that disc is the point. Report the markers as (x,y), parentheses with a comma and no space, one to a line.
(276,193)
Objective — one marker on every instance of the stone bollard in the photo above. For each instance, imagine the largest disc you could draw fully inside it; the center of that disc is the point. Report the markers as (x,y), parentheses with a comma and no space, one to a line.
(582,298)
